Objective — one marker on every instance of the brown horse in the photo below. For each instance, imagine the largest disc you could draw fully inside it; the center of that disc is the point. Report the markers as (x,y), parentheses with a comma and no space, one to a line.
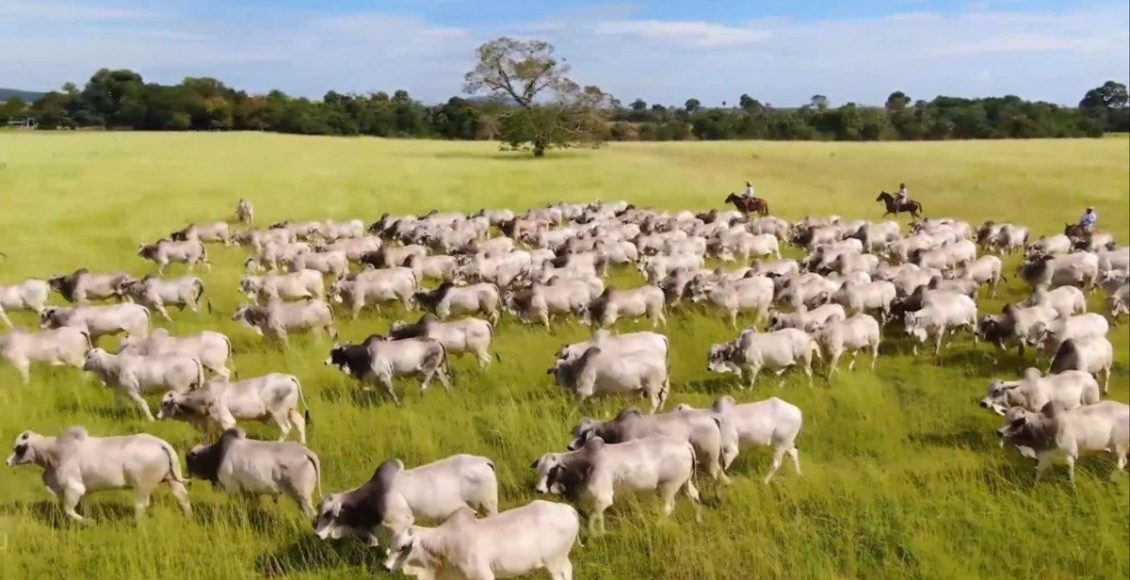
(894,207)
(749,204)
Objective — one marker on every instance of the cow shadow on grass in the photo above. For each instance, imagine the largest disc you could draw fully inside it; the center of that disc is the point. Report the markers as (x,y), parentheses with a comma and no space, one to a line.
(968,438)
(1018,472)
(988,360)
(310,554)
(50,514)
(117,413)
(722,385)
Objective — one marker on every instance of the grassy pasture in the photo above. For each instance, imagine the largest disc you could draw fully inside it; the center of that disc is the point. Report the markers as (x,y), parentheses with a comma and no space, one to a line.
(902,473)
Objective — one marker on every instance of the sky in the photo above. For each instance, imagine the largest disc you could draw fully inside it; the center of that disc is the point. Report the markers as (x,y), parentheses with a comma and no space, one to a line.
(779,51)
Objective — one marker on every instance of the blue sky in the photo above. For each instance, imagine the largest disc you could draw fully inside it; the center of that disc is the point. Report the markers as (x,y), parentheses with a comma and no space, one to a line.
(779,51)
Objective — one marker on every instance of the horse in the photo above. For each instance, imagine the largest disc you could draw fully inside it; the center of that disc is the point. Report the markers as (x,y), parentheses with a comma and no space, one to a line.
(749,204)
(894,207)
(1076,231)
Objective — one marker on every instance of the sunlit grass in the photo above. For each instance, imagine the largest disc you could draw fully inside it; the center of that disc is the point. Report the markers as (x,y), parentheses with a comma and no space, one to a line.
(903,475)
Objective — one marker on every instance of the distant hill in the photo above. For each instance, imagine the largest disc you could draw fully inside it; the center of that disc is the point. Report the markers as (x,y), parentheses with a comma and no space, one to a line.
(27,96)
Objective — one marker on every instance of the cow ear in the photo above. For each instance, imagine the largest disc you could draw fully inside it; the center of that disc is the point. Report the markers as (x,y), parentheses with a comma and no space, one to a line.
(534,465)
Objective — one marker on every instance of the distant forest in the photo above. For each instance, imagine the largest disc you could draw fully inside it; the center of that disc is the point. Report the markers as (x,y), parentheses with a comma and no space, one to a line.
(121,99)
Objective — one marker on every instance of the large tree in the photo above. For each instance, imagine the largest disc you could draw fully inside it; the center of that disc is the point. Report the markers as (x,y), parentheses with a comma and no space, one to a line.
(549,109)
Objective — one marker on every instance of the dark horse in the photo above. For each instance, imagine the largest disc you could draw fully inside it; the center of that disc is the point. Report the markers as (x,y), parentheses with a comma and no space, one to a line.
(1079,236)
(894,207)
(749,204)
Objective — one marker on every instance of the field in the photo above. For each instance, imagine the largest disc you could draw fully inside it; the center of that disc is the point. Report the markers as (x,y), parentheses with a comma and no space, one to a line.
(902,478)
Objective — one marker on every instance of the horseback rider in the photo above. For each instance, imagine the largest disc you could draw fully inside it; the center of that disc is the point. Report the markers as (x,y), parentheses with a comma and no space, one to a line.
(748,193)
(903,194)
(1089,220)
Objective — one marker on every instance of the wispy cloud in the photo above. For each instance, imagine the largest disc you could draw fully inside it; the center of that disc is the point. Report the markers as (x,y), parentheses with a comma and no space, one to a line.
(689,33)
(32,11)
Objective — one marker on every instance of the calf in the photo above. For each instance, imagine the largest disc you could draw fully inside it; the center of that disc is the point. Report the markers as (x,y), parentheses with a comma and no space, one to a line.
(513,543)
(1094,355)
(714,442)
(448,300)
(164,252)
(394,498)
(134,375)
(75,464)
(278,319)
(290,286)
(1070,433)
(469,335)
(243,466)
(55,347)
(81,286)
(27,295)
(1069,388)
(753,351)
(156,293)
(220,403)
(851,335)
(378,360)
(99,321)
(771,422)
(637,302)
(592,473)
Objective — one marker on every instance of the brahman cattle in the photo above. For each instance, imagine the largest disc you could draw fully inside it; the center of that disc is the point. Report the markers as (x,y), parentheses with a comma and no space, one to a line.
(219,404)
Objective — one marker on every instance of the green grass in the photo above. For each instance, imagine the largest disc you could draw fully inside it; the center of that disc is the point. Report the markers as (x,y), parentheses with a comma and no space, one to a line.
(903,475)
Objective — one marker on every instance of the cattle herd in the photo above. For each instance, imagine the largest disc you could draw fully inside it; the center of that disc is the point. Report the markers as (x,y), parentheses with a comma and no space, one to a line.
(857,282)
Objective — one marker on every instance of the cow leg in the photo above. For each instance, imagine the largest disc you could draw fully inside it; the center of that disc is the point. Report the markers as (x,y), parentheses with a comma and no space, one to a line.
(164,313)
(854,357)
(1106,379)
(136,397)
(443,378)
(283,422)
(24,368)
(753,376)
(874,354)
(1043,463)
(181,494)
(560,569)
(668,491)
(778,456)
(734,318)
(484,357)
(142,502)
(938,345)
(1069,459)
(299,423)
(387,382)
(795,457)
(5,319)
(714,466)
(834,363)
(72,494)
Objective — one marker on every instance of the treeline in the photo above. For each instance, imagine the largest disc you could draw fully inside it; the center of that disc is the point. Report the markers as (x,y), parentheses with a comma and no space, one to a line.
(120,99)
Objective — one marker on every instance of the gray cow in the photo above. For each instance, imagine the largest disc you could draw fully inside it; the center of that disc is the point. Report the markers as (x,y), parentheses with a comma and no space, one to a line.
(771,422)
(157,293)
(99,321)
(27,295)
(714,441)
(134,375)
(634,303)
(1070,433)
(279,319)
(82,286)
(55,347)
(243,466)
(449,300)
(372,287)
(220,404)
(298,285)
(395,498)
(380,360)
(615,372)
(753,351)
(74,464)
(165,252)
(212,349)
(468,335)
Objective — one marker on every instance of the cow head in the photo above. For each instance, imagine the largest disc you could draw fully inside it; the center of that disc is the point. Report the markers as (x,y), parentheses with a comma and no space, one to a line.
(52,317)
(251,316)
(250,285)
(148,251)
(357,512)
(998,398)
(24,450)
(96,360)
(186,405)
(203,461)
(1033,431)
(720,359)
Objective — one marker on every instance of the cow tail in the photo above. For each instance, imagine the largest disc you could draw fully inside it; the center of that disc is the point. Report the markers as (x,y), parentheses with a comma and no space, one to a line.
(313,459)
(302,398)
(199,372)
(490,329)
(86,333)
(204,253)
(174,473)
(231,355)
(200,294)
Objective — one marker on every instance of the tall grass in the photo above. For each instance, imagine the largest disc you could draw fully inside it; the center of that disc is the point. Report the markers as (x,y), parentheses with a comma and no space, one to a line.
(902,477)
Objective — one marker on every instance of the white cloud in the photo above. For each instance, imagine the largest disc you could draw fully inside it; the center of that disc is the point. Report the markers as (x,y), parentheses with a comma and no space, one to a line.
(36,10)
(690,33)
